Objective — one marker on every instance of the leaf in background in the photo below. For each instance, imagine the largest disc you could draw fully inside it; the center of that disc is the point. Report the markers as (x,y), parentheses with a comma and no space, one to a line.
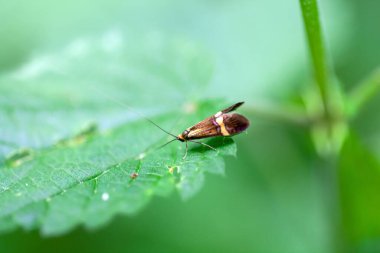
(359,172)
(252,42)
(55,176)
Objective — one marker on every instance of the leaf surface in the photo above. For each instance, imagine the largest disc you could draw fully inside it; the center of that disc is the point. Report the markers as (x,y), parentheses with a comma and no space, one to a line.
(359,174)
(75,146)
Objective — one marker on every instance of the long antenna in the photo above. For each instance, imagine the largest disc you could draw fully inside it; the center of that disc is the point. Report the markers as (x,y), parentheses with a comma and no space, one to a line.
(166,143)
(131,109)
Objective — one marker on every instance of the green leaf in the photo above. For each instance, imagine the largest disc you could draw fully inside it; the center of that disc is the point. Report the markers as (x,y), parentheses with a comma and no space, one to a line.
(359,173)
(71,154)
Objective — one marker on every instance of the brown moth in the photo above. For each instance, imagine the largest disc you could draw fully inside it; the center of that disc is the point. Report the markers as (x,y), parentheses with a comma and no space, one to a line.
(223,123)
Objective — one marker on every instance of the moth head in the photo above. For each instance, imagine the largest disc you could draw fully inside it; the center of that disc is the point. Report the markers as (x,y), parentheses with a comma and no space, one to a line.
(183,136)
(180,138)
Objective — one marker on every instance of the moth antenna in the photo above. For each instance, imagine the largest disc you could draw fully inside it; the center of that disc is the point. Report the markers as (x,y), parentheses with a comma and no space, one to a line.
(204,144)
(131,109)
(159,127)
(166,144)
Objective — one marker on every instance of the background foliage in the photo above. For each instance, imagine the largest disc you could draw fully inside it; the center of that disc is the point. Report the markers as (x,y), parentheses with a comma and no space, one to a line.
(284,192)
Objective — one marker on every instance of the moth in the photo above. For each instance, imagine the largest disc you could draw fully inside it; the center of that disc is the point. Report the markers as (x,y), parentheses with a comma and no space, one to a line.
(222,123)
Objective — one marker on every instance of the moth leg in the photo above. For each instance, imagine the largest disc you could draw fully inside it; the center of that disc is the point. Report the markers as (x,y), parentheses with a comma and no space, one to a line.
(184,157)
(204,144)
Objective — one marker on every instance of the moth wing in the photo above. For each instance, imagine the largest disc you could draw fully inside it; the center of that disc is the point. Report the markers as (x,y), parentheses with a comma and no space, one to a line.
(235,123)
(232,107)
(203,129)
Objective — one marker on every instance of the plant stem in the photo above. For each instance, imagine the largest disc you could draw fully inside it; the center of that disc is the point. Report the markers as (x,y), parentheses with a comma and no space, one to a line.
(323,80)
(363,93)
(317,50)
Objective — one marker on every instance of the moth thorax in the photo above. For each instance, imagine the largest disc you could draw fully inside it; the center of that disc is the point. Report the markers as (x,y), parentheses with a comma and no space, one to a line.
(185,133)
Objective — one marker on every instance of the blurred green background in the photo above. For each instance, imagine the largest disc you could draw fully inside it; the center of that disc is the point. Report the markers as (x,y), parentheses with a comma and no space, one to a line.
(278,194)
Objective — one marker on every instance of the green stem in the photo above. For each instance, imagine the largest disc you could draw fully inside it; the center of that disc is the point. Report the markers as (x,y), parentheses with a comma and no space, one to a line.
(317,51)
(323,80)
(363,93)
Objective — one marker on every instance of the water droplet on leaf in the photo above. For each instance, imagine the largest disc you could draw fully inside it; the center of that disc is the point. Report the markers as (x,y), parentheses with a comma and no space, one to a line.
(105,196)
